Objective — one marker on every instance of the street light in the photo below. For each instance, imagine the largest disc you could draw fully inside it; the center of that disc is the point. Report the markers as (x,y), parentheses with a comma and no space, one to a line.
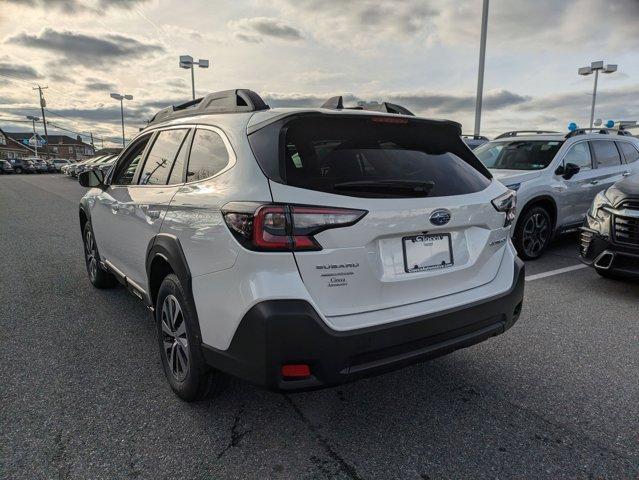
(482,61)
(35,136)
(186,61)
(595,67)
(121,98)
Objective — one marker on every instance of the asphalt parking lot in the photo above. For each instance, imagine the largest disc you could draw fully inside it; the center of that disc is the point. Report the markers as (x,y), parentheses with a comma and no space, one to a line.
(83,394)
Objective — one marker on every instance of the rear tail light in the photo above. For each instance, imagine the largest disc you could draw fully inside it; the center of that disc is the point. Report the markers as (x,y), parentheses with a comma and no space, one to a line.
(506,203)
(276,227)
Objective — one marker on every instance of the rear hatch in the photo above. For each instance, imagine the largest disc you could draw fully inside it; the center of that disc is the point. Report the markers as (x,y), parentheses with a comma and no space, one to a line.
(428,227)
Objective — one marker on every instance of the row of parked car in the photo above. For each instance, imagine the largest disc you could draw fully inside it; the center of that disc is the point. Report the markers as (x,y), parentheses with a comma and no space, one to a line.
(33,165)
(101,162)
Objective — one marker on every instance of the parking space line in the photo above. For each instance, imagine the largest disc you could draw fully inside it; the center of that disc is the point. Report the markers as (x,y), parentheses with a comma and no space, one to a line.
(555,272)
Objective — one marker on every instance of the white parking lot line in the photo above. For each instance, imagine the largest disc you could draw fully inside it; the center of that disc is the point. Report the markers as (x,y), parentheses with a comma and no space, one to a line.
(537,276)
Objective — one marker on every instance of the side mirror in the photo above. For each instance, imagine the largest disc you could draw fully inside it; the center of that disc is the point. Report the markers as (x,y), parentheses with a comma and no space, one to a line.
(568,171)
(92,178)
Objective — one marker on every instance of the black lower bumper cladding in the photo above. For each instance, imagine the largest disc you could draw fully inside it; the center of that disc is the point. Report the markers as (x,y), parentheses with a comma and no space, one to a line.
(599,251)
(282,332)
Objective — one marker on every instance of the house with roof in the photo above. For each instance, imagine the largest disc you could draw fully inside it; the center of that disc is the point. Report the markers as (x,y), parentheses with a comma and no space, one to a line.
(10,148)
(58,146)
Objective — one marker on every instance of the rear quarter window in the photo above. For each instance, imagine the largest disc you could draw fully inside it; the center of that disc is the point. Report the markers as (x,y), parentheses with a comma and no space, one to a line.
(630,152)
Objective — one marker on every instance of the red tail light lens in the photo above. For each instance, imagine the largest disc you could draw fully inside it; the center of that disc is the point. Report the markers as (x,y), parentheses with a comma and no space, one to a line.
(273,227)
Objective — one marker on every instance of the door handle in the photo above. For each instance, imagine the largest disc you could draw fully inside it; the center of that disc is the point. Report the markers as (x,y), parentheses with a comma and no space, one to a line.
(594,182)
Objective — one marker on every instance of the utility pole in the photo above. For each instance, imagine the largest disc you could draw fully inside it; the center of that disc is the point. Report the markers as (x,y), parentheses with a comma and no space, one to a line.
(43,103)
(92,141)
(482,61)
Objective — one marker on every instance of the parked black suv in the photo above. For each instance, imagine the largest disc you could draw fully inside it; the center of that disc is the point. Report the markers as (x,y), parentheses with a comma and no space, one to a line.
(21,165)
(609,239)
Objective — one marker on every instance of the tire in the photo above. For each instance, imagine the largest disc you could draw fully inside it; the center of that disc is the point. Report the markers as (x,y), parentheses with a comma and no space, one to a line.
(18,170)
(533,233)
(98,276)
(186,371)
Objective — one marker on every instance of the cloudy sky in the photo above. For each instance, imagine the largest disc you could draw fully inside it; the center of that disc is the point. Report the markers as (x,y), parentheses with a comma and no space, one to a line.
(421,54)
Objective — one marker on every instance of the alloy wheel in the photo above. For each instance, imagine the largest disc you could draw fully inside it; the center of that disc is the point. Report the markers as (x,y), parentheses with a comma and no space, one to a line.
(91,255)
(536,233)
(174,339)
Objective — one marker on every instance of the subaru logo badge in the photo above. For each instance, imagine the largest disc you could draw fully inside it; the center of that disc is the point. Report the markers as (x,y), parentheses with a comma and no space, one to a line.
(440,217)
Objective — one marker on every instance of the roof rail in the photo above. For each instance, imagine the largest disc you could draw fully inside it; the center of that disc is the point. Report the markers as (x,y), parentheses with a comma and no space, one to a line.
(227,101)
(516,133)
(337,103)
(474,137)
(601,130)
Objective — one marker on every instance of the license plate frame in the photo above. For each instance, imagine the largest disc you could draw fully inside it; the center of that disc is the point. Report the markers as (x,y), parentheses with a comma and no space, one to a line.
(419,266)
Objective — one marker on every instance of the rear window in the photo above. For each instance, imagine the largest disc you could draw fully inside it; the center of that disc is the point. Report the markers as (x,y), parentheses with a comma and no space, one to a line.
(518,154)
(367,158)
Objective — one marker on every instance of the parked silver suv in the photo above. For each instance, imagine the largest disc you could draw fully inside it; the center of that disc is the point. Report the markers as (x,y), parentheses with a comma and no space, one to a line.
(556,177)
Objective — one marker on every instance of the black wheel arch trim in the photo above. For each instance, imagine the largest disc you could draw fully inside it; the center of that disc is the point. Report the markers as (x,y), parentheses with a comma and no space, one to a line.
(168,248)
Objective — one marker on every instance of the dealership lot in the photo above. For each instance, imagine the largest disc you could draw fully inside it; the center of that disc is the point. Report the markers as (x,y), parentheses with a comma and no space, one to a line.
(83,393)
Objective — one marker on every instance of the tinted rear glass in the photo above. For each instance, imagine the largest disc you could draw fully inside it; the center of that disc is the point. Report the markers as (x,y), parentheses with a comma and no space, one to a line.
(518,154)
(629,151)
(324,153)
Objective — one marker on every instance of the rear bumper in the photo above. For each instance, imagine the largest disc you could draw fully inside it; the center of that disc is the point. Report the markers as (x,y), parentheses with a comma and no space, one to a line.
(600,252)
(278,332)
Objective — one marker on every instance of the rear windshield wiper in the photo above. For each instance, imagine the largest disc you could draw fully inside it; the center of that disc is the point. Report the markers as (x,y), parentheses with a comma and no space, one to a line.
(414,187)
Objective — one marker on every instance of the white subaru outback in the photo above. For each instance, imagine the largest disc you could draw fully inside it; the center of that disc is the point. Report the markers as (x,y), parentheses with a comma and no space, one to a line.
(301,248)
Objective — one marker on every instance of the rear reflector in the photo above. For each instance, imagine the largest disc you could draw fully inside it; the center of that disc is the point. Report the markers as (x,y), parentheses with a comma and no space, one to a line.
(296,371)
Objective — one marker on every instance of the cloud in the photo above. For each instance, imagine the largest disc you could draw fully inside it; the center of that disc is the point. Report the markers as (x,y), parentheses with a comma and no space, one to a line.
(616,104)
(418,102)
(366,24)
(76,6)
(97,85)
(363,23)
(255,29)
(86,48)
(17,70)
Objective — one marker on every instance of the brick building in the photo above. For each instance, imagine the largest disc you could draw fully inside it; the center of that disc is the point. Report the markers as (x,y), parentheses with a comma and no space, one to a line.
(58,146)
(10,148)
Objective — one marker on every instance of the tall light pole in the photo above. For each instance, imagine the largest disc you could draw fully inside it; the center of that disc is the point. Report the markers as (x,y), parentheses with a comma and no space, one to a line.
(595,67)
(186,61)
(35,135)
(482,61)
(121,98)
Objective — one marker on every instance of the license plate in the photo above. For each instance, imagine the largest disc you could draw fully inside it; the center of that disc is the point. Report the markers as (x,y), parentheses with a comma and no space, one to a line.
(427,252)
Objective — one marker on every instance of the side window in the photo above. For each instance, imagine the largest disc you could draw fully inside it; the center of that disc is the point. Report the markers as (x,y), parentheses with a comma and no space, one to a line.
(629,151)
(161,156)
(606,154)
(125,171)
(208,155)
(177,172)
(579,154)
